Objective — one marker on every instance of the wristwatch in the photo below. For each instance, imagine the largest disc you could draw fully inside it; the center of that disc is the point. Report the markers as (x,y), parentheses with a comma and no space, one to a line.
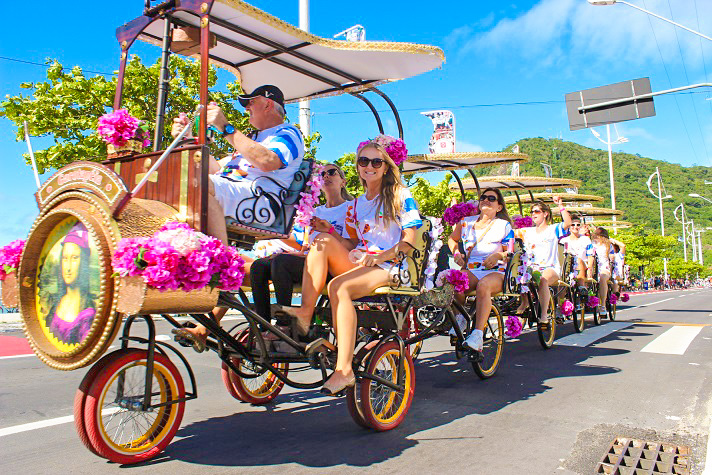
(229,129)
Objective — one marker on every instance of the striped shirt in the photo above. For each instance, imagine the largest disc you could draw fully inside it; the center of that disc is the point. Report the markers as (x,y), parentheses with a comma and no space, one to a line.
(286,141)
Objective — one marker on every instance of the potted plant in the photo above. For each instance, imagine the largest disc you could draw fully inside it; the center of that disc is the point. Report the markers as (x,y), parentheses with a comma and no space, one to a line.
(124,134)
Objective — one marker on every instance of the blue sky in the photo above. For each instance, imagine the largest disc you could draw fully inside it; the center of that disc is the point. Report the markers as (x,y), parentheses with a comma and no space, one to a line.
(498,54)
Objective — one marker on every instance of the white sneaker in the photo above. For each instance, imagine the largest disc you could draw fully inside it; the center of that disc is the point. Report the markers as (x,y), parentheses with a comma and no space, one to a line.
(474,341)
(601,309)
(461,322)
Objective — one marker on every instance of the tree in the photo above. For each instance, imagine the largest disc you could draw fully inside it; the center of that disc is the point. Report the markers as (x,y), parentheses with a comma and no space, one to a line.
(649,250)
(68,106)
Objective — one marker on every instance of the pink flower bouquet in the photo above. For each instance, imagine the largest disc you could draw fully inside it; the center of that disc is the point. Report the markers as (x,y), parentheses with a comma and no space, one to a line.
(395,148)
(177,257)
(613,299)
(625,297)
(455,277)
(10,257)
(522,221)
(567,308)
(592,302)
(310,198)
(514,326)
(456,212)
(118,127)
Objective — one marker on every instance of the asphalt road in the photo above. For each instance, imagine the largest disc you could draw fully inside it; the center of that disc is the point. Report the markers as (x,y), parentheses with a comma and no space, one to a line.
(647,376)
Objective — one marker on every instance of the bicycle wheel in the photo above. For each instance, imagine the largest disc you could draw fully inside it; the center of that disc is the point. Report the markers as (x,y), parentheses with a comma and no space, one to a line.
(385,408)
(81,395)
(353,395)
(493,345)
(611,307)
(261,387)
(579,310)
(547,331)
(118,427)
(596,316)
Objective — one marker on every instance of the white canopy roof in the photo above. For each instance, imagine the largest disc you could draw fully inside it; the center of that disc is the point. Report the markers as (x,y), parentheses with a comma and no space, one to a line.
(549,198)
(434,162)
(262,49)
(517,183)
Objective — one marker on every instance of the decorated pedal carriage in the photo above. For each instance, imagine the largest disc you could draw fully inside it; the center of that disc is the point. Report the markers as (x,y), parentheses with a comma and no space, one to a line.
(131,402)
(518,277)
(438,316)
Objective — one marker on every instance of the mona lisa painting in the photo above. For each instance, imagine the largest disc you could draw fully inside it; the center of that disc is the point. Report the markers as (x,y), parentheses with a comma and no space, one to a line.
(68,283)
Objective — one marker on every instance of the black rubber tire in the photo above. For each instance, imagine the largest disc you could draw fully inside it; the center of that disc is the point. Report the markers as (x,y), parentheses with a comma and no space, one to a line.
(493,345)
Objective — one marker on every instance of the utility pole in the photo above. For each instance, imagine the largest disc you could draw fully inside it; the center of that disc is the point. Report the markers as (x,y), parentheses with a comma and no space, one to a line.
(304,110)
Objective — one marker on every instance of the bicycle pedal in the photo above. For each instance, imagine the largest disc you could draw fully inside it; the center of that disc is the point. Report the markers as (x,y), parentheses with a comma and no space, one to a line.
(475,356)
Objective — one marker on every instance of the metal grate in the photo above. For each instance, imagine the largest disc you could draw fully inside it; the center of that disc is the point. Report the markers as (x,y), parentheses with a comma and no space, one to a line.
(637,457)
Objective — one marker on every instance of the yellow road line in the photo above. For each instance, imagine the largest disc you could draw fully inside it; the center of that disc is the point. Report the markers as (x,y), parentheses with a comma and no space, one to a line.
(674,323)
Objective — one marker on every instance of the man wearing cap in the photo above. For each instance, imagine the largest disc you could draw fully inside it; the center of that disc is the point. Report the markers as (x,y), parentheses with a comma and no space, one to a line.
(275,151)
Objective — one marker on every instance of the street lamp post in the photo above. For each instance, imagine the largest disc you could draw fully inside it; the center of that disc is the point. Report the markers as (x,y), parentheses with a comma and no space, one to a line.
(660,198)
(684,239)
(610,164)
(695,195)
(613,2)
(699,245)
(304,106)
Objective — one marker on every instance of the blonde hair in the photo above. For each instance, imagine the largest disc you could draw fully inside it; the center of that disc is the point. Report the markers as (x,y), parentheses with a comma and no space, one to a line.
(389,197)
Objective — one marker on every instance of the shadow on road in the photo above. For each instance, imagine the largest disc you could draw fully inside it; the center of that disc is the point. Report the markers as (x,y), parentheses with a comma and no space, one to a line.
(319,432)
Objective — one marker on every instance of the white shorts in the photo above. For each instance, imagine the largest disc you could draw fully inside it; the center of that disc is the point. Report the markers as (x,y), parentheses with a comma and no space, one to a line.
(479,270)
(233,194)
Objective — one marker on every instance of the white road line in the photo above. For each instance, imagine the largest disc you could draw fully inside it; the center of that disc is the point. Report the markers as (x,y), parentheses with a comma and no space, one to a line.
(673,342)
(592,334)
(16,356)
(653,303)
(46,423)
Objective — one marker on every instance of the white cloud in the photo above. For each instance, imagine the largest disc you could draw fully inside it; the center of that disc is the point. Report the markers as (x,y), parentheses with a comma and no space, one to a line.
(571,34)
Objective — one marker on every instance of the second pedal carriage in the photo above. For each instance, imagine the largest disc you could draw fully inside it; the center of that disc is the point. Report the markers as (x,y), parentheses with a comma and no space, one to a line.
(131,402)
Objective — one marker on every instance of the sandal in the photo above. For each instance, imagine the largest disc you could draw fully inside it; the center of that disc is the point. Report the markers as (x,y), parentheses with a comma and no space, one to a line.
(337,391)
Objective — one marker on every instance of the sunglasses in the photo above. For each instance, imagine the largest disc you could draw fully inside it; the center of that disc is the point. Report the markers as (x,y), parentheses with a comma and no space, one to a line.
(330,172)
(575,225)
(536,211)
(489,198)
(375,162)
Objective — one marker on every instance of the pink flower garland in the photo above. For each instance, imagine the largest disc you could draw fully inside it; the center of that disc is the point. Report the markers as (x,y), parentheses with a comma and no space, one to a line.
(177,257)
(395,148)
(625,297)
(455,277)
(119,127)
(456,212)
(567,308)
(514,326)
(10,256)
(522,221)
(310,198)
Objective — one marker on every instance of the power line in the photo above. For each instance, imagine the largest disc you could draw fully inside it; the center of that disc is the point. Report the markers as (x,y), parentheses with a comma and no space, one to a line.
(662,60)
(687,78)
(702,50)
(45,65)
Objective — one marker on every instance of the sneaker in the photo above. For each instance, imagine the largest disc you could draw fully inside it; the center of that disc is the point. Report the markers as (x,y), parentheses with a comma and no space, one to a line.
(602,309)
(461,322)
(474,341)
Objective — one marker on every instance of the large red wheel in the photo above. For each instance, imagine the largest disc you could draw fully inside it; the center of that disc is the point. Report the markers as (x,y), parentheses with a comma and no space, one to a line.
(81,395)
(259,389)
(353,395)
(117,426)
(385,408)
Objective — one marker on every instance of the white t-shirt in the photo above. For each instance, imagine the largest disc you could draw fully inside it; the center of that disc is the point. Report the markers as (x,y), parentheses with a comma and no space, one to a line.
(334,215)
(286,141)
(603,257)
(543,247)
(362,224)
(497,235)
(618,263)
(581,247)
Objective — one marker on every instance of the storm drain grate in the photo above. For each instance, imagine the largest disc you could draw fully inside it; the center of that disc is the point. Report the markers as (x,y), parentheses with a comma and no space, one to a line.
(637,457)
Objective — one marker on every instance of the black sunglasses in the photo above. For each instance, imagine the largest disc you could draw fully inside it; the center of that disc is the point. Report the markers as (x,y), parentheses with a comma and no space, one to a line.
(575,225)
(375,162)
(330,172)
(489,198)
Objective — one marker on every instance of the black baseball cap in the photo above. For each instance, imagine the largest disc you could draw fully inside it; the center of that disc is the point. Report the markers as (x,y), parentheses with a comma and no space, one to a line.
(268,91)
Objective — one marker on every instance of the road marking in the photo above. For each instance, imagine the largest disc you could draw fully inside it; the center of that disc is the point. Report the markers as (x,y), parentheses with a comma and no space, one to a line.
(653,303)
(16,356)
(592,334)
(46,423)
(675,323)
(674,341)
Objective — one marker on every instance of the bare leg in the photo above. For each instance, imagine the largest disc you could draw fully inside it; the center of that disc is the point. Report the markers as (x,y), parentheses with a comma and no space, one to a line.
(342,290)
(460,298)
(488,285)
(548,277)
(216,216)
(603,288)
(326,255)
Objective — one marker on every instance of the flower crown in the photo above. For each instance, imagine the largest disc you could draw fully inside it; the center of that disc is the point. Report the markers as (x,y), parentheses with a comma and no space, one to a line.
(395,148)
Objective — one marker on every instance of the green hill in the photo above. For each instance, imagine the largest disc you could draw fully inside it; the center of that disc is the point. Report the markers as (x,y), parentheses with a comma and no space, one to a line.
(571,160)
